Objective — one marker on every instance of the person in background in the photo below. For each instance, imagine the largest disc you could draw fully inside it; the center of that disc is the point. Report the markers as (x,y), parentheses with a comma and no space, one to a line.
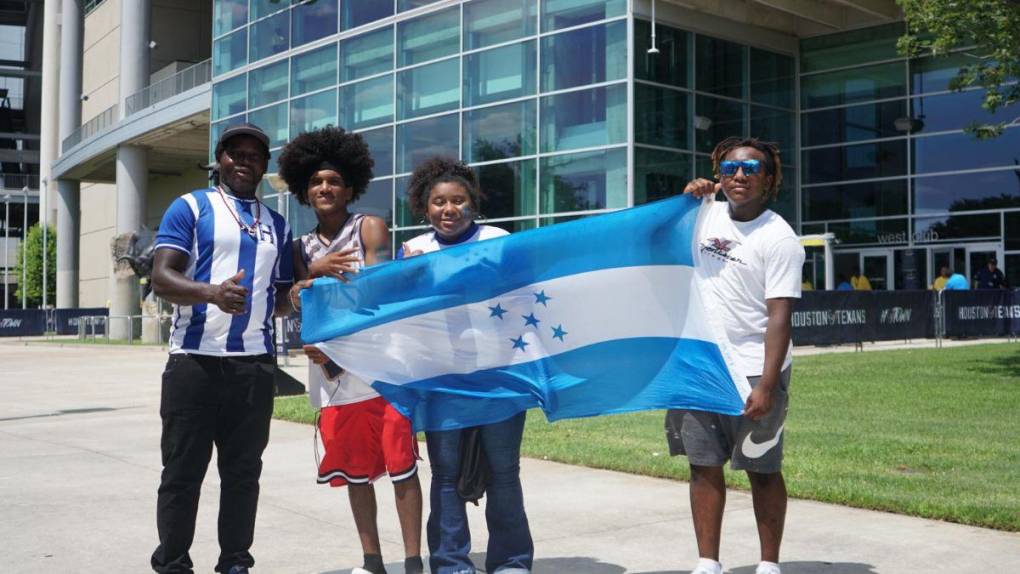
(224,260)
(859,282)
(363,436)
(940,281)
(990,277)
(842,284)
(956,282)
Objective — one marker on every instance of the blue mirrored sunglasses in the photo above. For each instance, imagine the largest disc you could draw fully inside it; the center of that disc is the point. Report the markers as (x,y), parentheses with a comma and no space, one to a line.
(729,168)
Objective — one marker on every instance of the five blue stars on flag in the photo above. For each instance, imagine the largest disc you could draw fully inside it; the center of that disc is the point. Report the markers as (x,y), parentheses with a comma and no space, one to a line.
(530,320)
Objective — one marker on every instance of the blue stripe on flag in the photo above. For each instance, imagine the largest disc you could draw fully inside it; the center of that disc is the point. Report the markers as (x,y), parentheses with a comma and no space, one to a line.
(658,233)
(205,233)
(611,377)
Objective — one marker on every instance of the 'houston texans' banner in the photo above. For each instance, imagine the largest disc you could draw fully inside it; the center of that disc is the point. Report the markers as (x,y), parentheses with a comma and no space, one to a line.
(596,316)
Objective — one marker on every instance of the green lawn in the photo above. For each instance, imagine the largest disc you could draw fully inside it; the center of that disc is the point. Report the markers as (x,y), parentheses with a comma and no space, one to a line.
(931,433)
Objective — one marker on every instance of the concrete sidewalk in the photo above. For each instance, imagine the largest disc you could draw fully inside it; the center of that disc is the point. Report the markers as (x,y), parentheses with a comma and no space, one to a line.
(79,467)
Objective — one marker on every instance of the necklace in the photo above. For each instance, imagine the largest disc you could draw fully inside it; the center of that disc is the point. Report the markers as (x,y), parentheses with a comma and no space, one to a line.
(253,229)
(322,238)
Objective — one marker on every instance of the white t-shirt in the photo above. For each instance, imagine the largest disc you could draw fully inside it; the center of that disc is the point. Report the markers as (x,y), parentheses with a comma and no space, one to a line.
(744,263)
(430,241)
(346,389)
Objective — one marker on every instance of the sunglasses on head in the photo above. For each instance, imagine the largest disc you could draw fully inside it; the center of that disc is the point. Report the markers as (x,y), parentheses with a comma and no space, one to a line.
(730,167)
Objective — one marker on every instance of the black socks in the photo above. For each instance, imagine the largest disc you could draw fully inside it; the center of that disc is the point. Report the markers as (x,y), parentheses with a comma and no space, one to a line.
(374,564)
(414,565)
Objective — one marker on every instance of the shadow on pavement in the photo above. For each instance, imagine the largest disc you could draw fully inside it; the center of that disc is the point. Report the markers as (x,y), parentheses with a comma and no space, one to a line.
(587,565)
(793,568)
(62,413)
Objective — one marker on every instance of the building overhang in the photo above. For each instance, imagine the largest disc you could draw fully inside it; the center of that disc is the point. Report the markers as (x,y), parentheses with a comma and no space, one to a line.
(175,130)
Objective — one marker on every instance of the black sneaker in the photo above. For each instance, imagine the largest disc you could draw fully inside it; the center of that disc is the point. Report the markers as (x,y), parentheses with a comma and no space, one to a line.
(238,570)
(414,565)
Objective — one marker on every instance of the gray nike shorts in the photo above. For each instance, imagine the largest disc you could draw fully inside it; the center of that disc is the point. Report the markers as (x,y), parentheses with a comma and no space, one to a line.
(710,439)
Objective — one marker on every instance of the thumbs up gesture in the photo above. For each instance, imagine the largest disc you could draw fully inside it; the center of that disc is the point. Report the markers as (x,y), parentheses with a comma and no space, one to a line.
(230,296)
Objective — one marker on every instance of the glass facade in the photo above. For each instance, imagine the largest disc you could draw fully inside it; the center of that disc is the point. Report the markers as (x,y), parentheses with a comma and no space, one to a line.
(887,167)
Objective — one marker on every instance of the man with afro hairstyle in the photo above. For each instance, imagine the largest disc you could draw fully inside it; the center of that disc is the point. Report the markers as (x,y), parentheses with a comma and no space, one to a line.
(363,436)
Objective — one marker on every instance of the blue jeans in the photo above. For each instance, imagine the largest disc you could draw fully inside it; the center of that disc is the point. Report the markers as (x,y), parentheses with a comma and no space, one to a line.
(510,547)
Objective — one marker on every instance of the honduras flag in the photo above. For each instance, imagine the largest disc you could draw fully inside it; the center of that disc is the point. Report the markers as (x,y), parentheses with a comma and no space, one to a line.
(596,316)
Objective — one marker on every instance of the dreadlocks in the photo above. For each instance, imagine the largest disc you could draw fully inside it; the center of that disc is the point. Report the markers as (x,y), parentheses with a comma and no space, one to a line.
(770,150)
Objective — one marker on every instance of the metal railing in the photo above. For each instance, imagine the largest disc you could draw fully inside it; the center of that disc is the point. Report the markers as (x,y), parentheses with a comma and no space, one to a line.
(96,326)
(90,128)
(17,182)
(186,79)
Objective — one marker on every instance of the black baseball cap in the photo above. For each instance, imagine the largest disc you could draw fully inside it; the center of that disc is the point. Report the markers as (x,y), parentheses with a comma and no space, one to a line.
(245,129)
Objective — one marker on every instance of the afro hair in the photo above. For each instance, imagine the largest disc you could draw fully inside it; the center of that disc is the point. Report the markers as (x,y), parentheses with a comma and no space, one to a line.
(441,170)
(306,153)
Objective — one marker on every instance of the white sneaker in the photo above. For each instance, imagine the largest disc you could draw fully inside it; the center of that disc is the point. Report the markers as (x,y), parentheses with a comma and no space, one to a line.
(360,571)
(707,566)
(767,568)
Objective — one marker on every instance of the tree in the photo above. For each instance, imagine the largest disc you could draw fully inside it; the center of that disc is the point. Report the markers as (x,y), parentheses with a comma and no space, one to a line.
(990,31)
(34,269)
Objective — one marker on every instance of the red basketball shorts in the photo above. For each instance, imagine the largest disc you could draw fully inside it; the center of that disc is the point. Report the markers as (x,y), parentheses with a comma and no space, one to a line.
(365,440)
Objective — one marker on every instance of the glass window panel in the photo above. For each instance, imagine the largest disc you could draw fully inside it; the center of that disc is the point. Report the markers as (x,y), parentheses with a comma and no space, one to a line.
(785,202)
(418,141)
(300,217)
(955,111)
(720,67)
(229,97)
(499,132)
(380,145)
(660,174)
(854,200)
(367,103)
(661,117)
(1012,267)
(312,112)
(557,14)
(360,12)
(260,8)
(856,85)
(1013,243)
(270,36)
(963,151)
(967,192)
(703,168)
(229,14)
(267,84)
(585,118)
(715,120)
(861,161)
(587,56)
(403,212)
(933,74)
(313,20)
(366,55)
(230,52)
(852,123)
(377,200)
(509,188)
(499,74)
(313,70)
(516,225)
(772,78)
(429,89)
(488,22)
(273,121)
(216,129)
(670,65)
(547,221)
(776,126)
(871,231)
(403,5)
(584,181)
(958,227)
(850,48)
(428,37)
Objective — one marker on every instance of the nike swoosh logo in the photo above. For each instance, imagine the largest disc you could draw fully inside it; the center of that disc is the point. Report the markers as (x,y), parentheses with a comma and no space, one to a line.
(753,449)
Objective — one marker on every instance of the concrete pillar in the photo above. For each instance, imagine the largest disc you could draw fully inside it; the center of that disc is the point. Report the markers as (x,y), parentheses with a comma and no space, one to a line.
(49,135)
(68,231)
(132,162)
(68,214)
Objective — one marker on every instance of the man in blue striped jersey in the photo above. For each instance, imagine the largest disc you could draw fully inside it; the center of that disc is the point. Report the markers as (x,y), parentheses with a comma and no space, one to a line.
(225,260)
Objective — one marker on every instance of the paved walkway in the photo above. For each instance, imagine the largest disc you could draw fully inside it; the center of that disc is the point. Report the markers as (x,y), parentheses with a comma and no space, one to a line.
(79,466)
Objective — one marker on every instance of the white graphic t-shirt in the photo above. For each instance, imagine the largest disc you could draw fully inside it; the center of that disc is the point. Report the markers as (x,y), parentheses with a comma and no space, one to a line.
(744,263)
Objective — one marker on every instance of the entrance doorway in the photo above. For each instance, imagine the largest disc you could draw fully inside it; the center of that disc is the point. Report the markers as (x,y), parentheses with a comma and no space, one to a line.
(978,257)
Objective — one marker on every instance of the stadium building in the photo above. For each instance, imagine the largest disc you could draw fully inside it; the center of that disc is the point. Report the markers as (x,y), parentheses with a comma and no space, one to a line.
(566,107)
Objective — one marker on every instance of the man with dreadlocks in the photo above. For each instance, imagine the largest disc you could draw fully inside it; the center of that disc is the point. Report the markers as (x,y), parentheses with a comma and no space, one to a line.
(363,436)
(753,260)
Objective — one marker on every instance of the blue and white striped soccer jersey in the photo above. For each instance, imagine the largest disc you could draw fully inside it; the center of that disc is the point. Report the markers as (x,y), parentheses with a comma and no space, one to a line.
(204,225)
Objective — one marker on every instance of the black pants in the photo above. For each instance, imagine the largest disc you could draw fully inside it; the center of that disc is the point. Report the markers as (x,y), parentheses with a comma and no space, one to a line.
(226,401)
